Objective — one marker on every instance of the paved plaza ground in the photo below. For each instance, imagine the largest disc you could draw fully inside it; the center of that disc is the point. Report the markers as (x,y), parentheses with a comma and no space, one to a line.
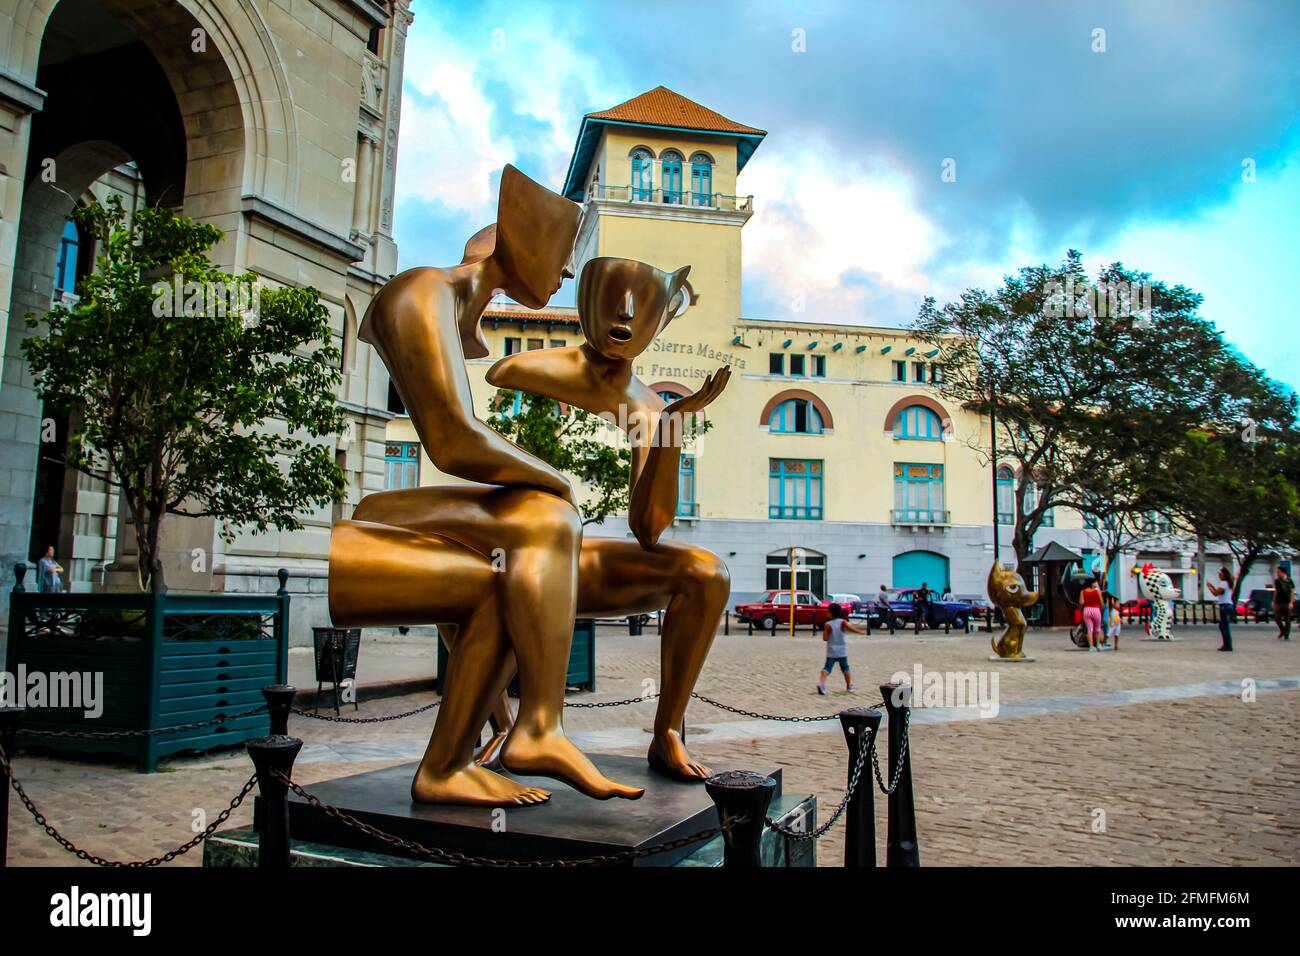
(1148,755)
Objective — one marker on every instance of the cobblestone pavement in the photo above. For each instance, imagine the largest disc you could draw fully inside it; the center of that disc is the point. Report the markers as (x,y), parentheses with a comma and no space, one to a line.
(1087,779)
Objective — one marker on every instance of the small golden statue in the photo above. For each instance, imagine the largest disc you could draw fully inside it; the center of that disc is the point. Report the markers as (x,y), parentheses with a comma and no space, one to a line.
(1007,590)
(501,566)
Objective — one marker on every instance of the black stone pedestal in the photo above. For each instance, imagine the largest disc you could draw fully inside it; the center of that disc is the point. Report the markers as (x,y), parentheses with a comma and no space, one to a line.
(570,826)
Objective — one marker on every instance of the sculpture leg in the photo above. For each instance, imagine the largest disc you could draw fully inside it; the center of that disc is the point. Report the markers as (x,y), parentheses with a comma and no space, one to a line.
(381,575)
(500,720)
(619,577)
(531,540)
(476,674)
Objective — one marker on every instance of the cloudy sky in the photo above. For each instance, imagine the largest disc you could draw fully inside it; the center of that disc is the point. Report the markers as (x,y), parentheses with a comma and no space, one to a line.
(1162,134)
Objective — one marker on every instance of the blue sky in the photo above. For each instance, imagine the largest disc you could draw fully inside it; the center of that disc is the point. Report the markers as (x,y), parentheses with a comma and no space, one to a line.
(1142,152)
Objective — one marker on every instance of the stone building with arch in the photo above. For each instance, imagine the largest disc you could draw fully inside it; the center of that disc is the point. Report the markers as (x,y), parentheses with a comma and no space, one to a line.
(276,122)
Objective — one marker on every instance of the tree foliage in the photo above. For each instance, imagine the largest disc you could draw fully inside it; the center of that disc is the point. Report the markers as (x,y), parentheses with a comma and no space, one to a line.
(202,403)
(1096,385)
(570,440)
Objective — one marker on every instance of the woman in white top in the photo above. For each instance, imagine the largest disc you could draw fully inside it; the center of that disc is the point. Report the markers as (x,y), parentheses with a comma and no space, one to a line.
(1227,611)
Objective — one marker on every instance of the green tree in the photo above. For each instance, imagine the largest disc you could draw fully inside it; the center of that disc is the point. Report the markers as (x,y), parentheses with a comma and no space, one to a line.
(169,370)
(1095,384)
(570,440)
(577,443)
(1241,488)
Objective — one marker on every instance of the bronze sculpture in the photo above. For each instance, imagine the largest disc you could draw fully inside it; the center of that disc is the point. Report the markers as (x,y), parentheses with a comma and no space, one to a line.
(503,570)
(622,306)
(1008,592)
(487,564)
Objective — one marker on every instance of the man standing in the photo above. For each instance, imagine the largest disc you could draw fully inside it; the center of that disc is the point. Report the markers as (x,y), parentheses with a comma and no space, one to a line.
(1283,602)
(47,573)
(921,606)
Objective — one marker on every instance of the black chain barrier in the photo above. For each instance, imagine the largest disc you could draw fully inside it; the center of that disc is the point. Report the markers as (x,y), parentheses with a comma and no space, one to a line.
(457,858)
(858,766)
(902,756)
(97,860)
(364,720)
(760,716)
(152,732)
(464,859)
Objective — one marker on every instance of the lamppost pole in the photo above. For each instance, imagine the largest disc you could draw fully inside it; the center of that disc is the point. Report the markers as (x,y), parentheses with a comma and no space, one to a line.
(993,437)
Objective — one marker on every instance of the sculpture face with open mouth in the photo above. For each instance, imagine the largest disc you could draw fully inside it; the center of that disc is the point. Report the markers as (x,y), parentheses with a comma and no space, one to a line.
(623,304)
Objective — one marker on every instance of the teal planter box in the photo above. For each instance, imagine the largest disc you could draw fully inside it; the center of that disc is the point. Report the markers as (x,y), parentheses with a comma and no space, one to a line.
(164,661)
(582,658)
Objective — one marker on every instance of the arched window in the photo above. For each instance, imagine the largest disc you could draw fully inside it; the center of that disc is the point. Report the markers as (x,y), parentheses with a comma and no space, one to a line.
(917,421)
(796,416)
(669,396)
(701,180)
(1006,496)
(643,164)
(671,175)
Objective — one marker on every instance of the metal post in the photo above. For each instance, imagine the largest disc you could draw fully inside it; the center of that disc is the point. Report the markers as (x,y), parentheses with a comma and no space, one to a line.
(279,701)
(860,728)
(9,718)
(901,848)
(726,622)
(993,455)
(741,793)
(273,753)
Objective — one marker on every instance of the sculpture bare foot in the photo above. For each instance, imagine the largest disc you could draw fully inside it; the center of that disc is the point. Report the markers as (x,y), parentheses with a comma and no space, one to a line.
(668,755)
(474,786)
(553,755)
(490,755)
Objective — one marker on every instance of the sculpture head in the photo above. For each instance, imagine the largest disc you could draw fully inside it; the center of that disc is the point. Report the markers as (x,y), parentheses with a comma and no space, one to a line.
(1154,584)
(623,304)
(532,240)
(1007,588)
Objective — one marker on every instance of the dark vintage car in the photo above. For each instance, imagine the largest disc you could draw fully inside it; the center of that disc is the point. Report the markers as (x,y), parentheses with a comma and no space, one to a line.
(956,614)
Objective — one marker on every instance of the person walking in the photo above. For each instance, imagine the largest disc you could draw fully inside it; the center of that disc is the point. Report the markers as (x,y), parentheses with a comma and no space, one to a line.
(48,573)
(1283,604)
(921,606)
(1090,601)
(1227,610)
(837,648)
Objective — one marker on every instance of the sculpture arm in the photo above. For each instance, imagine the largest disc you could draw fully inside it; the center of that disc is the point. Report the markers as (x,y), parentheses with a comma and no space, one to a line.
(413,325)
(653,501)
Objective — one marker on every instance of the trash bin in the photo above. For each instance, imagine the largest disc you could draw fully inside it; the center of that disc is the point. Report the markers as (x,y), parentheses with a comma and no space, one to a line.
(582,659)
(337,650)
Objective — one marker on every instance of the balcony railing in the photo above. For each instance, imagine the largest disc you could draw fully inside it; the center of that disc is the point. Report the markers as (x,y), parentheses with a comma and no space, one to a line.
(800,512)
(671,197)
(919,516)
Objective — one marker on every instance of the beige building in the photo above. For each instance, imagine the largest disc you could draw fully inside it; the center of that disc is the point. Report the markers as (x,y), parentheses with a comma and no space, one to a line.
(275,120)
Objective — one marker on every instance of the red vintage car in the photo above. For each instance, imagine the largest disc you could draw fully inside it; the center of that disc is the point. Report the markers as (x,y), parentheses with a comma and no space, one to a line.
(774,607)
